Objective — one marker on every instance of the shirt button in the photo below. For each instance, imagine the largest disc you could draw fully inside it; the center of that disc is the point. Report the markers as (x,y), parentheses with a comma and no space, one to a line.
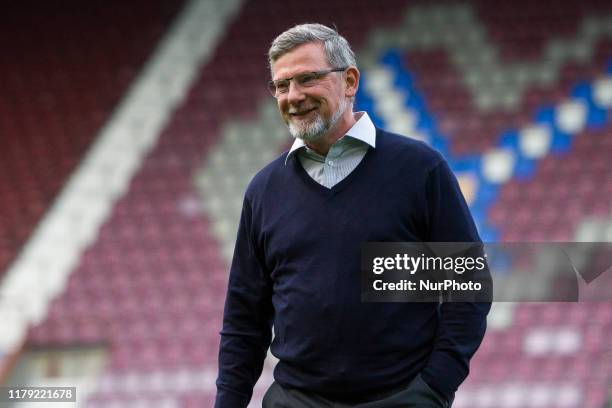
(331,162)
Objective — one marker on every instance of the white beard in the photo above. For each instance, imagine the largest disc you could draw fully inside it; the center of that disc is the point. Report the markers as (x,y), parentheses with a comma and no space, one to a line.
(310,131)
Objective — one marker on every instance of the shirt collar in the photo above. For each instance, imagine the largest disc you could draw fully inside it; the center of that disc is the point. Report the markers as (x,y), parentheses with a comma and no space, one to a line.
(362,130)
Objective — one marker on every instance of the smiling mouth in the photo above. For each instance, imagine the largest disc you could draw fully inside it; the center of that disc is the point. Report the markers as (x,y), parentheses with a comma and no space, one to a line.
(301,113)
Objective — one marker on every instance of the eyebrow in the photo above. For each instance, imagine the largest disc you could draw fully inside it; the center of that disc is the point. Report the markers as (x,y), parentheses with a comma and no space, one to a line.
(299,73)
(316,71)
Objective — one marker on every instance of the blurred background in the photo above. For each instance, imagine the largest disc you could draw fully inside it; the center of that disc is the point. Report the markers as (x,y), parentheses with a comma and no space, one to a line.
(129,131)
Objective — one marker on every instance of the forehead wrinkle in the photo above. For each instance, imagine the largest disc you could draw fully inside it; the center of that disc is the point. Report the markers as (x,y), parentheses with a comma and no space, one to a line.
(299,72)
(304,58)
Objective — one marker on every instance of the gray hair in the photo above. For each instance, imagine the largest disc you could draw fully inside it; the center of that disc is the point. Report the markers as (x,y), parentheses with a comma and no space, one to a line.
(337,49)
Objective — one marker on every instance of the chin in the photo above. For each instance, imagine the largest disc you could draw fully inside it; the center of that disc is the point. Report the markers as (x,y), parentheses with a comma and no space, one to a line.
(308,131)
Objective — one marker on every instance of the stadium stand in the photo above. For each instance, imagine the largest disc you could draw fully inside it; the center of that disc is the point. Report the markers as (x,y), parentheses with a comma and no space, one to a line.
(69,66)
(474,79)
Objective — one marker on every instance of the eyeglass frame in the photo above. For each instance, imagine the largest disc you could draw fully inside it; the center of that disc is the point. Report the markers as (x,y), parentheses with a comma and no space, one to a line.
(272,84)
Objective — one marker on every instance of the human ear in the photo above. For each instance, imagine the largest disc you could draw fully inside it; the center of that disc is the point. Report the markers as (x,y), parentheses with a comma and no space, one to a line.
(351,81)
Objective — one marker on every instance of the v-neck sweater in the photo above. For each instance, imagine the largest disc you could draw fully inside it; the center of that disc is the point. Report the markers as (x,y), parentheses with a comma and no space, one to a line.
(296,266)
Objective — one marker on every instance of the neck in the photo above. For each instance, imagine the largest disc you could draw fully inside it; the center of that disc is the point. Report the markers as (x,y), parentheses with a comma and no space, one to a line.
(325,142)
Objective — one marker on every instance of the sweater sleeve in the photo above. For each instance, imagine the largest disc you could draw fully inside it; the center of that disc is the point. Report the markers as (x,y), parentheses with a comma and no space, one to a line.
(247,320)
(462,324)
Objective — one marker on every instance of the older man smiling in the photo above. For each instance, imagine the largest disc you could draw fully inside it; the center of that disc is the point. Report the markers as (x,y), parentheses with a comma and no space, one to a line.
(296,264)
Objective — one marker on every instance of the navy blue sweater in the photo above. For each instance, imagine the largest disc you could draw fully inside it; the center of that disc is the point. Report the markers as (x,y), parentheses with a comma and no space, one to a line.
(297,265)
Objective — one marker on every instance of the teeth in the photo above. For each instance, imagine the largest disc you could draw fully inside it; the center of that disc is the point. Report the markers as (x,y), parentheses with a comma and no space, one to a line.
(300,113)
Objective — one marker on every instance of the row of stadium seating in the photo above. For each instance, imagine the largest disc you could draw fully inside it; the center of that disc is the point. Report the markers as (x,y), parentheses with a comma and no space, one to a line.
(152,285)
(66,68)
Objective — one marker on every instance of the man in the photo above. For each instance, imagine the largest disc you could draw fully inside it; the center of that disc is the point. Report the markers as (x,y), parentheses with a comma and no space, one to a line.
(296,263)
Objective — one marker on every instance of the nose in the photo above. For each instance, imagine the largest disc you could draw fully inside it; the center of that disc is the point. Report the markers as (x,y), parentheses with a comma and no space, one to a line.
(295,94)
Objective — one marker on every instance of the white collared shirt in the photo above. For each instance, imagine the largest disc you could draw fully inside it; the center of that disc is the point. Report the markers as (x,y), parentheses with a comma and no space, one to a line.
(343,156)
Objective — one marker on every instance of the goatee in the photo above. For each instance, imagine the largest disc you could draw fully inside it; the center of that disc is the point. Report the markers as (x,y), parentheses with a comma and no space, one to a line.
(310,131)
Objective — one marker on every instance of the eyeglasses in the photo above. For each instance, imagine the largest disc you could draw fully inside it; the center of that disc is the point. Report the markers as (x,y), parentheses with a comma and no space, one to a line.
(304,80)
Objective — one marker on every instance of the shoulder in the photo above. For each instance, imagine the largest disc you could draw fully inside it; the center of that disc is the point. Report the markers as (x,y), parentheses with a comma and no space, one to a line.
(404,149)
